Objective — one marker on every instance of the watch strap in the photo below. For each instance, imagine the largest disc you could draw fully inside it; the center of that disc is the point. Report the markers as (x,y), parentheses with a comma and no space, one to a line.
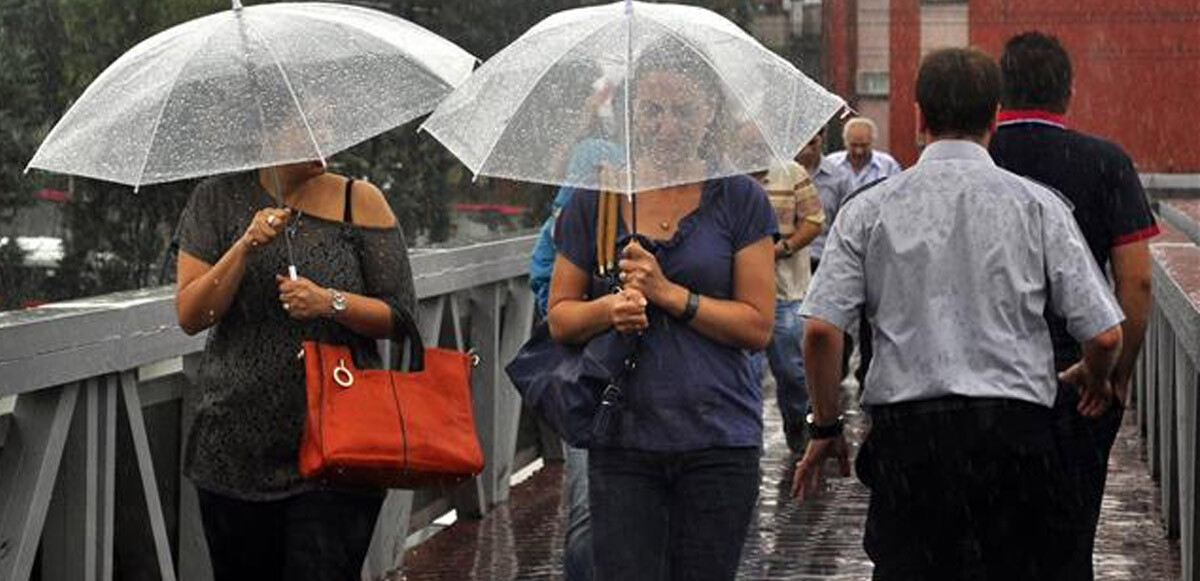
(822,432)
(689,309)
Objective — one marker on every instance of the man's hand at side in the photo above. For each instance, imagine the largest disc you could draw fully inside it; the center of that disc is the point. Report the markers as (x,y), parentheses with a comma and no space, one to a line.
(806,482)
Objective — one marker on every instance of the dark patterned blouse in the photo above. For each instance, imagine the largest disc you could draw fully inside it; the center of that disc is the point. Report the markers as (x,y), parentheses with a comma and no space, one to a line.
(249,401)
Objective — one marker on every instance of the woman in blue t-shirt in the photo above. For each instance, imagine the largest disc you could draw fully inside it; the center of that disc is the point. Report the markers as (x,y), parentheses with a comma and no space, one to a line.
(673,487)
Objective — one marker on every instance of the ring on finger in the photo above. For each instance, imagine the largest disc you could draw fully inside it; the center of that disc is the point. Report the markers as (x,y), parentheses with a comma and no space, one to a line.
(271,220)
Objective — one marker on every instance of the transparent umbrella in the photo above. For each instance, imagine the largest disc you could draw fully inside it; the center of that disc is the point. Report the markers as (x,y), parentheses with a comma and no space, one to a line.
(249,88)
(631,97)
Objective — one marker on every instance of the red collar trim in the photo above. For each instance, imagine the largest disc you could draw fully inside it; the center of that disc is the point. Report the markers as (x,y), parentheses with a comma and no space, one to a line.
(1023,115)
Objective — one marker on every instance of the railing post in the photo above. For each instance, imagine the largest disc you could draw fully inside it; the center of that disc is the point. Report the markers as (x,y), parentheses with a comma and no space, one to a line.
(77,542)
(1167,450)
(1189,446)
(1153,428)
(1141,375)
(145,464)
(29,465)
(497,407)
(386,553)
(1186,426)
(194,564)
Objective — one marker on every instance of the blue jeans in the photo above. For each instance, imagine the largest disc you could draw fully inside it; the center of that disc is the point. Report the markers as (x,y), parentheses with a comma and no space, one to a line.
(681,515)
(787,365)
(577,554)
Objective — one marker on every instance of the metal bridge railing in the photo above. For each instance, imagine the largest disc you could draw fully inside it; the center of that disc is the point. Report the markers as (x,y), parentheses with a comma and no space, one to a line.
(92,423)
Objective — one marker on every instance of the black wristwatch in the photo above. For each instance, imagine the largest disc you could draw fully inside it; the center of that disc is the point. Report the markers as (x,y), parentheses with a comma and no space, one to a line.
(819,432)
(690,308)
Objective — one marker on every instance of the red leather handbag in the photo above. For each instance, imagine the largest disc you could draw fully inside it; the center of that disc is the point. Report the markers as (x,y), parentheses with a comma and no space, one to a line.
(389,429)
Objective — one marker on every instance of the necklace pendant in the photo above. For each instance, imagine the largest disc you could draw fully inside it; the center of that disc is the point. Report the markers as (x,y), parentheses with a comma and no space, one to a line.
(665,225)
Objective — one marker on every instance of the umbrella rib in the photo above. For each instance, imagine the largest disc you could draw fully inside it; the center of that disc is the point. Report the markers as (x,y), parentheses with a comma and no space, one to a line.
(733,88)
(137,184)
(525,98)
(287,82)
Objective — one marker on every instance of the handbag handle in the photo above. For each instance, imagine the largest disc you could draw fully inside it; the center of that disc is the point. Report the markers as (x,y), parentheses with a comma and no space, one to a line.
(404,327)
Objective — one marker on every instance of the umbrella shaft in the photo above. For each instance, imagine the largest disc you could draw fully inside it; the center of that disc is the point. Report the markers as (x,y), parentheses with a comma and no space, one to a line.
(633,213)
(287,234)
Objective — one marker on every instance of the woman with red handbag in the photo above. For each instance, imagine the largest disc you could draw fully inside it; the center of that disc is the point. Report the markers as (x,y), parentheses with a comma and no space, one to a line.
(262,520)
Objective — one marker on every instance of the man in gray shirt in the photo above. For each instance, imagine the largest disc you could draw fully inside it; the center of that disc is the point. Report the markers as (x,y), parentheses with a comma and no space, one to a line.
(833,187)
(955,261)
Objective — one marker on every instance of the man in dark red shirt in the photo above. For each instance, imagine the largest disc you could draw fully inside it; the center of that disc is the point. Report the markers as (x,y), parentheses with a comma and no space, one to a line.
(1111,208)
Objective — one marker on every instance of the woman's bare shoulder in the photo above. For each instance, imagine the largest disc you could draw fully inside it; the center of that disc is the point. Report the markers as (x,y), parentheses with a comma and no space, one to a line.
(371,208)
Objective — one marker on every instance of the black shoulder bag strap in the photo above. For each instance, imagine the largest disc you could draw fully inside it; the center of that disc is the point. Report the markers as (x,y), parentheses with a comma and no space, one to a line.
(612,397)
(348,206)
(403,326)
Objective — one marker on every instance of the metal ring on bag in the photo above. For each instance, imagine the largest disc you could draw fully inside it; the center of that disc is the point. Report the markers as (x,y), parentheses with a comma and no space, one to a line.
(341,375)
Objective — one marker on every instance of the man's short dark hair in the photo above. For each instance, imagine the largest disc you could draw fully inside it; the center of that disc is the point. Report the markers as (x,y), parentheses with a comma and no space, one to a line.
(958,90)
(1037,73)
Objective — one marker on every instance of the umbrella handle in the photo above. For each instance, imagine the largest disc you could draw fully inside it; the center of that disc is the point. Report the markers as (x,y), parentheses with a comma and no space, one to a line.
(287,239)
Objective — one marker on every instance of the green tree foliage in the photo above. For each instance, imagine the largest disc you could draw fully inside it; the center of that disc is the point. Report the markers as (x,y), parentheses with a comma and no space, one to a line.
(115,239)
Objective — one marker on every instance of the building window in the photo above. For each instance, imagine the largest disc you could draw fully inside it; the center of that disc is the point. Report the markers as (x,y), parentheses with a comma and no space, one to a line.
(872,84)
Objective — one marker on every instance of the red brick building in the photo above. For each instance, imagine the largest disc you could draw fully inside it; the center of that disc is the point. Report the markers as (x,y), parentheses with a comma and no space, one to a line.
(1137,64)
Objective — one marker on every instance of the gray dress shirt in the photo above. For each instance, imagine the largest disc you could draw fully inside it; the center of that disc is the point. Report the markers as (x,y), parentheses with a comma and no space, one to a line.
(955,261)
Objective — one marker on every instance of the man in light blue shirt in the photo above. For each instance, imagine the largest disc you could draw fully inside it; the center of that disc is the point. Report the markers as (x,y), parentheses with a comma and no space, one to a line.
(833,186)
(860,159)
(954,262)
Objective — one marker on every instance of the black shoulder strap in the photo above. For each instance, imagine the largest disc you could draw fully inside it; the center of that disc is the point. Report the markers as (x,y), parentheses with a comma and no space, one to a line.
(348,208)
(860,190)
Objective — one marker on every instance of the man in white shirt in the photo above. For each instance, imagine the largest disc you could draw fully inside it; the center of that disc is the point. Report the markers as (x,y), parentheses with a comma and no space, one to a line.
(860,159)
(954,263)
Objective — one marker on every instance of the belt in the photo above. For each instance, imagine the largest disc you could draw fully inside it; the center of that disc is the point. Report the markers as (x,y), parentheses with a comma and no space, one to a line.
(950,403)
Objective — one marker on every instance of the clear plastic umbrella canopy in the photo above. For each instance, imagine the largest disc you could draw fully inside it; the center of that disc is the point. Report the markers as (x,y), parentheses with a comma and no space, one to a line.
(252,87)
(631,97)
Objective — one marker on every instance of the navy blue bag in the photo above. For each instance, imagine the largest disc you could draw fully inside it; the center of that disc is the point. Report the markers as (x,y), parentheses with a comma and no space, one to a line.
(575,389)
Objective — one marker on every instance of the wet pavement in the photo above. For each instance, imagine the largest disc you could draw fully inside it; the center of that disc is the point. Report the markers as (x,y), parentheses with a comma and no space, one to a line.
(817,541)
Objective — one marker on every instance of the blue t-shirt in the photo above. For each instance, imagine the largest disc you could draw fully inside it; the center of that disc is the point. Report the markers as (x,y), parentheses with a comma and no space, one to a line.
(688,391)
